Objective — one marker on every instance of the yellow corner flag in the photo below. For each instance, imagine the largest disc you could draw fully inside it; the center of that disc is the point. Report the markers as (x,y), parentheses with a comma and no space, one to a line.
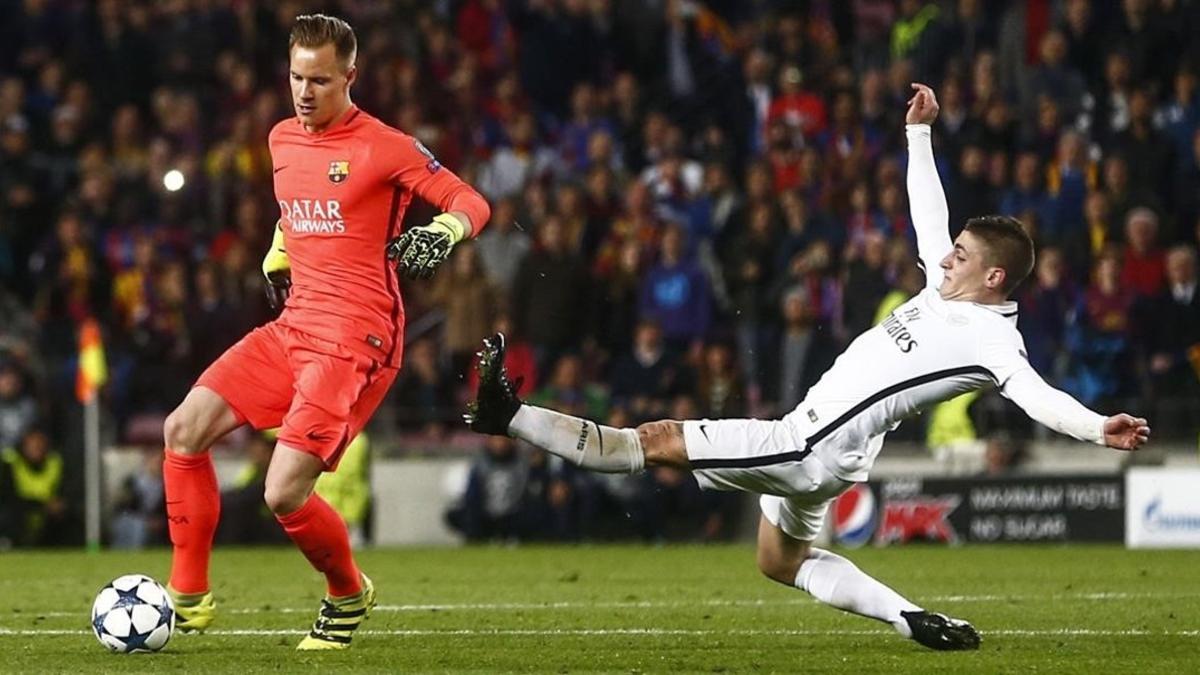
(93,369)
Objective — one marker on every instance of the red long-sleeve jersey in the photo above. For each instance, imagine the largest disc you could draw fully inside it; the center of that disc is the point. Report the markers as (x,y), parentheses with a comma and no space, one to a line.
(342,195)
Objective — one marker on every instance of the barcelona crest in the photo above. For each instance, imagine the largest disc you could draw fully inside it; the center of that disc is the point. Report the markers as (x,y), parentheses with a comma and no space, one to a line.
(339,171)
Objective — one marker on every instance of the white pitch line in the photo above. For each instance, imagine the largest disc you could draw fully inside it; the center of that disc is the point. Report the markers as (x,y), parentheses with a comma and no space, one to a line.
(659,604)
(471,632)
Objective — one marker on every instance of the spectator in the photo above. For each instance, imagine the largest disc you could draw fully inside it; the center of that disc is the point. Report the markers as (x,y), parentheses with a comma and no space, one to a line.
(469,302)
(496,502)
(1027,193)
(18,408)
(576,134)
(671,505)
(1055,77)
(1187,185)
(675,293)
(1099,228)
(865,286)
(969,195)
(908,283)
(245,518)
(615,297)
(1045,306)
(1179,117)
(1145,147)
(424,392)
(348,490)
(39,516)
(209,322)
(801,353)
(1003,456)
(568,391)
(754,107)
(950,434)
(720,389)
(1098,336)
(1172,343)
(1085,42)
(801,228)
(1123,197)
(548,293)
(750,275)
(140,517)
(802,112)
(955,124)
(863,221)
(502,246)
(646,377)
(1112,106)
(1144,265)
(518,163)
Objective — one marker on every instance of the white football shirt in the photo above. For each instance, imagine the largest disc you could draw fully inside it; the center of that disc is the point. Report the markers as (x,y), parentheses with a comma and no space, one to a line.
(927,351)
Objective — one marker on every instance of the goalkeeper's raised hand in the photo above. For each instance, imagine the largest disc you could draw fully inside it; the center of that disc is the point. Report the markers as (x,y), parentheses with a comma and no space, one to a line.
(278,271)
(420,250)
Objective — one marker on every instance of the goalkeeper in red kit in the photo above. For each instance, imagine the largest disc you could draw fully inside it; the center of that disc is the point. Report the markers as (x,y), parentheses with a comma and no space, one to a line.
(343,181)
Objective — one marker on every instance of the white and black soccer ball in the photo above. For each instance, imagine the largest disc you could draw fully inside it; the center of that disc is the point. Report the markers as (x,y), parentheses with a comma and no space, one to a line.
(133,613)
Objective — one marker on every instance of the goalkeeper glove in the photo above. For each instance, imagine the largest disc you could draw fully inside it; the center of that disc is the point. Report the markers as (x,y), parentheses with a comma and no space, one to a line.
(420,250)
(277,270)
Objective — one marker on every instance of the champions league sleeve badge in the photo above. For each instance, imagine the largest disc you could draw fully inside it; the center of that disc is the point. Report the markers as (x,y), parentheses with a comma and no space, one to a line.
(433,165)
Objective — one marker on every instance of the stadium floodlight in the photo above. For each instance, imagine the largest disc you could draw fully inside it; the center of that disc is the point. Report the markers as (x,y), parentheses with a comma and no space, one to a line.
(173,180)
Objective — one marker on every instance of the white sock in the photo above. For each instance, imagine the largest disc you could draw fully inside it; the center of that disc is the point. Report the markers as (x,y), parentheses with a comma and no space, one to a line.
(833,580)
(581,441)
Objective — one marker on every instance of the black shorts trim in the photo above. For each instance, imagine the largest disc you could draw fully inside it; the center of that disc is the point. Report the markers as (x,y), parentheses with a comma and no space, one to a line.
(750,462)
(891,391)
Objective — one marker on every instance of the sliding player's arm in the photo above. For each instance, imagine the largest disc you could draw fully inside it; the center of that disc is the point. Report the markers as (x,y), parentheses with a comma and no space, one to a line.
(1059,411)
(926,199)
(420,250)
(1003,354)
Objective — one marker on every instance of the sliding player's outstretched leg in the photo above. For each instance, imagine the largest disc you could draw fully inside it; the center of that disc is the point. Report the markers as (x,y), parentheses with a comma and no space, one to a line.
(789,558)
(749,455)
(496,401)
(497,410)
(938,631)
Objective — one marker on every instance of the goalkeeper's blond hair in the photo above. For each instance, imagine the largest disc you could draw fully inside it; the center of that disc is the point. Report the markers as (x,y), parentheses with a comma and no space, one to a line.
(318,30)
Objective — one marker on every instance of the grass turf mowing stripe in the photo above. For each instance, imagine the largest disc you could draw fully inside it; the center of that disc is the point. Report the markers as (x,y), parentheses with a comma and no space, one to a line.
(656,604)
(470,632)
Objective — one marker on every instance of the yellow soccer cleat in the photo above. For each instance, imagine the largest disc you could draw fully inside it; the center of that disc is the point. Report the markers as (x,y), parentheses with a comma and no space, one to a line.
(194,612)
(338,618)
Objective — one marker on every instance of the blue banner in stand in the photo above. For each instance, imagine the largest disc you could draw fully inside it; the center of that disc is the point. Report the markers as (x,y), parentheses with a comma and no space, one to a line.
(981,509)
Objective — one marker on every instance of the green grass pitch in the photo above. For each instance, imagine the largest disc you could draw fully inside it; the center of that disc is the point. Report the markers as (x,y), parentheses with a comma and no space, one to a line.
(1085,609)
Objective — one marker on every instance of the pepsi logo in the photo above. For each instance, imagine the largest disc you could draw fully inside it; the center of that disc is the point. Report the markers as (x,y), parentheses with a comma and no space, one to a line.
(855,516)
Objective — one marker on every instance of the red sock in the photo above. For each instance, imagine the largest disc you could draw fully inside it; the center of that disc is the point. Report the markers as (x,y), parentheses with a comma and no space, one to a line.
(193,508)
(322,537)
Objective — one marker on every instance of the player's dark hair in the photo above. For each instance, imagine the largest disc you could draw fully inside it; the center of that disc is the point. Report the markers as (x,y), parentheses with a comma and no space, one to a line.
(1008,247)
(317,30)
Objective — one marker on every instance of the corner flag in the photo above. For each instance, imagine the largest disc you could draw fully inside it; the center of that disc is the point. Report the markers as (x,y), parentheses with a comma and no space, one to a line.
(93,369)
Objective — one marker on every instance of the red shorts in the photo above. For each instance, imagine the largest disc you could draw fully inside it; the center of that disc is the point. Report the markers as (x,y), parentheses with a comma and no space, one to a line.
(320,393)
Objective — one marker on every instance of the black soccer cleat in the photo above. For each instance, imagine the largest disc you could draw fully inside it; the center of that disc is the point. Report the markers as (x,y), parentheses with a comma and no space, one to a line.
(938,631)
(496,400)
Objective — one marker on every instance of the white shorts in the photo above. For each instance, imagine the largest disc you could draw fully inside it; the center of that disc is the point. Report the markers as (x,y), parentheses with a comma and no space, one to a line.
(765,457)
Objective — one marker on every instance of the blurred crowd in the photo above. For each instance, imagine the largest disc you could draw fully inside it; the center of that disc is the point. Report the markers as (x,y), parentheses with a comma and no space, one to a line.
(695,204)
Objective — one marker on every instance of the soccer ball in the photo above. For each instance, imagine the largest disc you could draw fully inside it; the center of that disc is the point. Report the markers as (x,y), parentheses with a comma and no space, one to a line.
(133,613)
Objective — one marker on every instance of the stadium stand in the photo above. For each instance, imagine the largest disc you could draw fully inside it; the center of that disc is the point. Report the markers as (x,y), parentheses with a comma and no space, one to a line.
(695,205)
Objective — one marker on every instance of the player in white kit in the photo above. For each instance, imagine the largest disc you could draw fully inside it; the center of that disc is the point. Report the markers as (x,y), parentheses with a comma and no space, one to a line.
(957,335)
